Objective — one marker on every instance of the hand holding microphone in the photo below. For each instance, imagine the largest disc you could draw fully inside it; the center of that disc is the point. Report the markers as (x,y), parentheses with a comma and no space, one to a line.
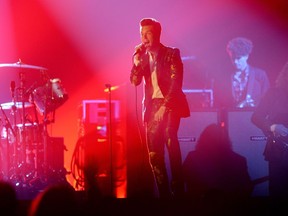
(139,51)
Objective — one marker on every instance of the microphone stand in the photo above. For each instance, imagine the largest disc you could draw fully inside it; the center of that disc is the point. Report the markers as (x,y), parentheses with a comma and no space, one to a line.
(13,112)
(108,86)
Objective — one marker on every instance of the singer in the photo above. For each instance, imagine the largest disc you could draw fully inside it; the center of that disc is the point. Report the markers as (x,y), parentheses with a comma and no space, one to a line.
(165,104)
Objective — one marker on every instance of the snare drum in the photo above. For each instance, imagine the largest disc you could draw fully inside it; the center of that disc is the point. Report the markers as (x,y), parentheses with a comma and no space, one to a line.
(49,97)
(32,133)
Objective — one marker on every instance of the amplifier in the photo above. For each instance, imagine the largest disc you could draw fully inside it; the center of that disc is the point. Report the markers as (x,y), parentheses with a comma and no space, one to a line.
(55,153)
(97,111)
(191,128)
(249,141)
(199,98)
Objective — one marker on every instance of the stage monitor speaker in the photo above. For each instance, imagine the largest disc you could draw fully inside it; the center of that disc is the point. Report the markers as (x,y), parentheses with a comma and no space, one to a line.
(55,153)
(249,141)
(191,128)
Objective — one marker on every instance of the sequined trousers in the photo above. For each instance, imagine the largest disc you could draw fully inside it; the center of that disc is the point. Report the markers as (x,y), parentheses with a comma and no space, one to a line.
(161,134)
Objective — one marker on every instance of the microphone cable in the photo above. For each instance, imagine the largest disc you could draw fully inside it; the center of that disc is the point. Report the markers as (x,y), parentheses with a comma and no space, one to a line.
(137,117)
(144,154)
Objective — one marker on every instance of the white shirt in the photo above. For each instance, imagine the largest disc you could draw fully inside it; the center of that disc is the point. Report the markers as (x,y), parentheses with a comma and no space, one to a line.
(156,90)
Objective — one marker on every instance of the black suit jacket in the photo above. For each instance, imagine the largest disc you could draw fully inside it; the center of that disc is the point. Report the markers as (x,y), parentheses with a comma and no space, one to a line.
(170,79)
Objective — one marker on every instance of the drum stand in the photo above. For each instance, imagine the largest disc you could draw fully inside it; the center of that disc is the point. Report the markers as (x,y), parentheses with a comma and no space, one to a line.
(25,162)
(20,166)
(45,146)
(45,136)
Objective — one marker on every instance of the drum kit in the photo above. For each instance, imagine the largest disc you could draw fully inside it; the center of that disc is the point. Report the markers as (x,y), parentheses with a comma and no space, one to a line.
(24,121)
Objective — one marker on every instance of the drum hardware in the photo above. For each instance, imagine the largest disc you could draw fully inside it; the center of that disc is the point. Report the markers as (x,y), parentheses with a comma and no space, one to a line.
(8,128)
(18,105)
(49,97)
(7,122)
(20,65)
(23,143)
(28,139)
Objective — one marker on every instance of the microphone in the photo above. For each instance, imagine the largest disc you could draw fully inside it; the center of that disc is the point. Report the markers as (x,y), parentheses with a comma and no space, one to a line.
(139,49)
(108,85)
(12,88)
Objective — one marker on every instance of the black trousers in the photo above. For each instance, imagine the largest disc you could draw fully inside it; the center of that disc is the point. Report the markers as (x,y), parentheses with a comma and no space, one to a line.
(278,179)
(161,134)
(276,153)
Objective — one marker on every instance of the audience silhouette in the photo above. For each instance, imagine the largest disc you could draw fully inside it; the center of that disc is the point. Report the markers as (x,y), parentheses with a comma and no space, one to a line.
(213,173)
(55,200)
(8,199)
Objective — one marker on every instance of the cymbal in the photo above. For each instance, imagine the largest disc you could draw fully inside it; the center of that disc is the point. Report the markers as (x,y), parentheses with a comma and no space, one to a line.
(9,105)
(22,65)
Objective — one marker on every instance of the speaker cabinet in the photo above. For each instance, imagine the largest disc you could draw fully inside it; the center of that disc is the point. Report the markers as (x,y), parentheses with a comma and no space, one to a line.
(249,141)
(191,128)
(55,153)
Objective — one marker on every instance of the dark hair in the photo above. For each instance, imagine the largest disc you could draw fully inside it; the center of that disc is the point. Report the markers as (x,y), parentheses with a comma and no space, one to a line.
(153,22)
(282,78)
(58,199)
(214,139)
(239,46)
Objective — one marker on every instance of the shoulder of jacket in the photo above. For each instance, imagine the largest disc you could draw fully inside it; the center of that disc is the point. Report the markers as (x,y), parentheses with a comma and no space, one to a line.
(257,70)
(173,49)
(169,48)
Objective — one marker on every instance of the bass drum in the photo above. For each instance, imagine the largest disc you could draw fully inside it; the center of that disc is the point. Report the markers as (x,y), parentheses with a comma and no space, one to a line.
(49,97)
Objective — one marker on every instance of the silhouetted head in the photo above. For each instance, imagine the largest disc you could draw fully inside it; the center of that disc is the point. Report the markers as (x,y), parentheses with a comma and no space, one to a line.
(214,138)
(55,200)
(8,199)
